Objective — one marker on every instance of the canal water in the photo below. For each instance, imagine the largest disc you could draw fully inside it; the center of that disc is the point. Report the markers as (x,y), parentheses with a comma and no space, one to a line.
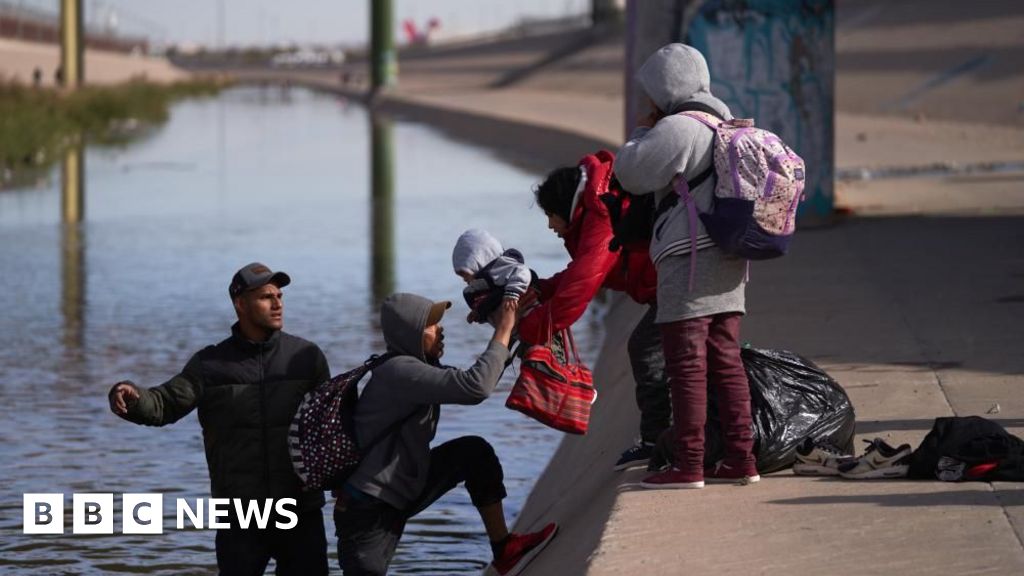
(130,292)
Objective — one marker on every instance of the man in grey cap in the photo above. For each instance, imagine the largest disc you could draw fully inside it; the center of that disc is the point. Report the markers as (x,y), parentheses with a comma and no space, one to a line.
(247,388)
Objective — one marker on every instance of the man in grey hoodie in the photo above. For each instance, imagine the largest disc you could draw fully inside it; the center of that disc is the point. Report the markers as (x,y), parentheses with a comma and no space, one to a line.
(397,415)
(699,308)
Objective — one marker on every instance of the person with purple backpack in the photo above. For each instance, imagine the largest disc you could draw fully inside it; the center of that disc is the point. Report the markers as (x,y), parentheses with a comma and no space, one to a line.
(701,287)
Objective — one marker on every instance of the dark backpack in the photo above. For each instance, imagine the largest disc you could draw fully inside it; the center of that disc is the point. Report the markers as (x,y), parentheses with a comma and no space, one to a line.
(633,215)
(322,438)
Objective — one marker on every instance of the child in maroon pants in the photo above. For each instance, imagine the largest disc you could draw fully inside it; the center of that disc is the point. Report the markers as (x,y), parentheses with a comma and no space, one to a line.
(701,289)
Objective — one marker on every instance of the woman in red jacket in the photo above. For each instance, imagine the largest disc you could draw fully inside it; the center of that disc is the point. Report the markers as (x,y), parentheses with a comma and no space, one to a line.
(571,198)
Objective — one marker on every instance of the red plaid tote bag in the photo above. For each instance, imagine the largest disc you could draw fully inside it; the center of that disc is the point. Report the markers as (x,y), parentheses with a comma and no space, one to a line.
(552,392)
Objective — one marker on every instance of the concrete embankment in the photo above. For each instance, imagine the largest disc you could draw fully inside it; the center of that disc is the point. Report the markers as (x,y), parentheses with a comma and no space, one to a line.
(19,59)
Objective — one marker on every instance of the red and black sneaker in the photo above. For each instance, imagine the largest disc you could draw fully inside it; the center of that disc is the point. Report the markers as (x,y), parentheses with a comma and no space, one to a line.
(520,549)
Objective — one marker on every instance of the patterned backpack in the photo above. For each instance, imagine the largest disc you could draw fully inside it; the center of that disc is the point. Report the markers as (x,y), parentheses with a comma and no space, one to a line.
(760,183)
(322,438)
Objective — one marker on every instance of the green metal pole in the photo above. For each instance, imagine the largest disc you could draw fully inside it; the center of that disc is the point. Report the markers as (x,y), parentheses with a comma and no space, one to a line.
(382,207)
(72,44)
(73,184)
(383,61)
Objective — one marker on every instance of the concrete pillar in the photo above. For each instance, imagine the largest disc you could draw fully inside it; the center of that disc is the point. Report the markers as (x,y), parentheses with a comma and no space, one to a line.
(650,24)
(383,59)
(382,207)
(774,61)
(72,43)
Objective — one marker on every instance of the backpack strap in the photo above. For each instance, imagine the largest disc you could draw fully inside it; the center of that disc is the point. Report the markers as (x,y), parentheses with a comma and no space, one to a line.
(683,188)
(699,107)
(373,362)
(669,202)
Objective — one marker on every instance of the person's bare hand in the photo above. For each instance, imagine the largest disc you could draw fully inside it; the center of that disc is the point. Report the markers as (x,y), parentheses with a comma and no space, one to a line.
(653,113)
(650,119)
(121,396)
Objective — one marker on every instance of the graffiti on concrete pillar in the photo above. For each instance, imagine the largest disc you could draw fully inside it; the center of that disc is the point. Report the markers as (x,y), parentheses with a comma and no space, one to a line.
(773,60)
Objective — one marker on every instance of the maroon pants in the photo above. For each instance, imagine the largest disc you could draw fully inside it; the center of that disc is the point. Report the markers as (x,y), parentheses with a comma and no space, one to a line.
(699,352)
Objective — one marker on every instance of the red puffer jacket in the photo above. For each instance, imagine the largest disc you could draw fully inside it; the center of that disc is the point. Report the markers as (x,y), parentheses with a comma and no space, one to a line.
(564,296)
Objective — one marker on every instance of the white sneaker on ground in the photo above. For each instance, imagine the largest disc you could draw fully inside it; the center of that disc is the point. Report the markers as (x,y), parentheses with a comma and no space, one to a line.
(880,460)
(819,459)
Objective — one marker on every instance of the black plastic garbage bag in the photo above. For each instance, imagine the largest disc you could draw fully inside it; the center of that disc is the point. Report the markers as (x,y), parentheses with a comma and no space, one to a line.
(791,399)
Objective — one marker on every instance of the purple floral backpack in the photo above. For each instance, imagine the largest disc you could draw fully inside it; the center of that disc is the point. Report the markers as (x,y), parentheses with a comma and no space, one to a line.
(322,438)
(760,183)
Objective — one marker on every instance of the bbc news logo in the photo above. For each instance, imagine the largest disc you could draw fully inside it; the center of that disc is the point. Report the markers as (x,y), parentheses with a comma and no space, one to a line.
(144,513)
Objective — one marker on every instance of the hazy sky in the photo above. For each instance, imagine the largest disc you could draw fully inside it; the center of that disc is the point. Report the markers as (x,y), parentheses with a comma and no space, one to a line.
(321,21)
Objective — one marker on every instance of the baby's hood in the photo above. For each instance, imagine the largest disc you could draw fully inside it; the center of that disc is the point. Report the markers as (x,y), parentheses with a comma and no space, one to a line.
(474,250)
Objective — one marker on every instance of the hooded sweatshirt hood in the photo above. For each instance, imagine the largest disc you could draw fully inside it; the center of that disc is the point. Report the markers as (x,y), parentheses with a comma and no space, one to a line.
(402,320)
(675,75)
(474,250)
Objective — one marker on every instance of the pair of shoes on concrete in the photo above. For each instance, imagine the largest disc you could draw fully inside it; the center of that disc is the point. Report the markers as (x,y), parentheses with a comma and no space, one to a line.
(880,460)
(720,473)
(819,459)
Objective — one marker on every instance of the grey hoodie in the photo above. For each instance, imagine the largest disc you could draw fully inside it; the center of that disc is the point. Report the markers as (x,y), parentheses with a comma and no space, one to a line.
(409,388)
(673,76)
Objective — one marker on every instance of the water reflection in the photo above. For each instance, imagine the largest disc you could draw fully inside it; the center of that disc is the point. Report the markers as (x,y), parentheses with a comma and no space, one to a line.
(382,200)
(72,281)
(72,262)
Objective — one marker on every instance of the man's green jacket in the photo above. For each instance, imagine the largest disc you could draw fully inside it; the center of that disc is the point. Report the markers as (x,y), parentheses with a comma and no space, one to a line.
(247,393)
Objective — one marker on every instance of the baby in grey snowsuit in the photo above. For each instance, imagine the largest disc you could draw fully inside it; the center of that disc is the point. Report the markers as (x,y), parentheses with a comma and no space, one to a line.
(493,275)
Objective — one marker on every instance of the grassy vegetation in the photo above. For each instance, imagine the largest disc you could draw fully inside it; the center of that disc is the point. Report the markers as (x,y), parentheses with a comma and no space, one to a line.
(36,124)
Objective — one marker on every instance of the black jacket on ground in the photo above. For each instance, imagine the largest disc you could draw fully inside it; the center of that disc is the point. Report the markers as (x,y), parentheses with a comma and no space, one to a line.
(972,440)
(247,393)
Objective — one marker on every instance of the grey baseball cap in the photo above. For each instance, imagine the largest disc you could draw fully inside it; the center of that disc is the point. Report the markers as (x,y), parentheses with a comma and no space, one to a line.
(256,275)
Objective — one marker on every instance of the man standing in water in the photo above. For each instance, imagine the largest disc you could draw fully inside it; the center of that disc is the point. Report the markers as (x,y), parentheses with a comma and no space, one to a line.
(397,414)
(247,388)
